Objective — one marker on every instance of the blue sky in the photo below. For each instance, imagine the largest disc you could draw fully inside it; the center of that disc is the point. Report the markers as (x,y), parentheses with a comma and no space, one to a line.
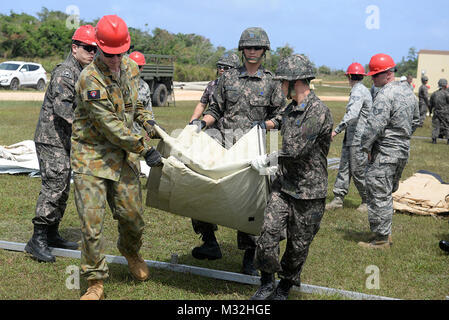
(332,33)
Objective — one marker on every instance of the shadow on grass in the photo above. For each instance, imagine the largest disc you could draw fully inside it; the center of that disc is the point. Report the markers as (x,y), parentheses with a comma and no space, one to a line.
(354,236)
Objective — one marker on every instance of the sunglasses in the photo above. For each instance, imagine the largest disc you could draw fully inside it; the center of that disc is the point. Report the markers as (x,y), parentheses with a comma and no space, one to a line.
(223,67)
(255,48)
(108,55)
(89,48)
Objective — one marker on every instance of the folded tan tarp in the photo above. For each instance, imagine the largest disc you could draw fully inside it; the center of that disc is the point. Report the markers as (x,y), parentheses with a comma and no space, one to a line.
(423,193)
(202,180)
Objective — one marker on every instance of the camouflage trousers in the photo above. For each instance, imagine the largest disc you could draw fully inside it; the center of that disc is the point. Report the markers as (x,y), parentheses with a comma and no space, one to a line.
(422,113)
(301,219)
(54,165)
(125,201)
(382,180)
(352,165)
(244,240)
(440,125)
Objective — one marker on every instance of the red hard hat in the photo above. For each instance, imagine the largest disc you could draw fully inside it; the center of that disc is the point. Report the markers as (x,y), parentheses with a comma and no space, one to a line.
(356,68)
(112,35)
(379,63)
(138,58)
(85,34)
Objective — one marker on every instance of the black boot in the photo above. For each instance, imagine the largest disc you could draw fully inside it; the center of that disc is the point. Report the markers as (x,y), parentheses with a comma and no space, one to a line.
(444,245)
(266,288)
(56,241)
(434,141)
(248,263)
(38,246)
(209,250)
(282,290)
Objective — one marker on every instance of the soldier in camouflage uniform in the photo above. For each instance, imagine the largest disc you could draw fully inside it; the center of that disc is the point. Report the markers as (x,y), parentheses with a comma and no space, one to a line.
(299,189)
(439,104)
(144,95)
(245,97)
(352,161)
(386,139)
(424,103)
(226,62)
(52,139)
(103,154)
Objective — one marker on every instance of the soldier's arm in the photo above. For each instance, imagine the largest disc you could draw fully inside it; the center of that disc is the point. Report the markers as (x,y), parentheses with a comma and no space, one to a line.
(278,102)
(217,105)
(104,117)
(376,122)
(416,122)
(63,91)
(352,113)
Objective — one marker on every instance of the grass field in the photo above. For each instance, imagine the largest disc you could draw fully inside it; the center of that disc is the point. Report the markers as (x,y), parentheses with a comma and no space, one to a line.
(414,268)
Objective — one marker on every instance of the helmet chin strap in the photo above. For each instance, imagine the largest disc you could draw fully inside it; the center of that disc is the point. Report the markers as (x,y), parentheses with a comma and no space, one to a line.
(254,60)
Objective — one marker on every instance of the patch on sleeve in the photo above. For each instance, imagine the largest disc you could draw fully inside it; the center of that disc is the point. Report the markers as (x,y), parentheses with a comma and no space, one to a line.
(93,95)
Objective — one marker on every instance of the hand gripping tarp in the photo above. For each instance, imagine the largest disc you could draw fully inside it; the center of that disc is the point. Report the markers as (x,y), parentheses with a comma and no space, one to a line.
(201,179)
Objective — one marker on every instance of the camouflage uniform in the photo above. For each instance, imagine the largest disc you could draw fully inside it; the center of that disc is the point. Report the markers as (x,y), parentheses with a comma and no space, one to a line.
(424,104)
(352,161)
(439,103)
(52,139)
(299,190)
(103,160)
(389,127)
(240,99)
(144,97)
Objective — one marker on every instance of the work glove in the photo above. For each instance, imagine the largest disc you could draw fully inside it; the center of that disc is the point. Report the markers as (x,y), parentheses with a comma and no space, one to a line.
(201,124)
(149,128)
(261,124)
(265,164)
(153,158)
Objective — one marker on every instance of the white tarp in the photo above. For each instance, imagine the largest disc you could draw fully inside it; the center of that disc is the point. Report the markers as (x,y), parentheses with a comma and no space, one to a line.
(19,158)
(205,181)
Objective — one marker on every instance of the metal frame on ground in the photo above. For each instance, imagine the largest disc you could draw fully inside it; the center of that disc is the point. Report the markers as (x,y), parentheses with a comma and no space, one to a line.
(204,272)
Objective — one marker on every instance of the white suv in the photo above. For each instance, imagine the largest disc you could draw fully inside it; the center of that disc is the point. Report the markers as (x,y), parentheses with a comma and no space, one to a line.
(16,74)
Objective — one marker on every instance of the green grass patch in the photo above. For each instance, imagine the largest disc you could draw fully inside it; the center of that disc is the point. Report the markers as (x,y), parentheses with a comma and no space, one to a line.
(414,268)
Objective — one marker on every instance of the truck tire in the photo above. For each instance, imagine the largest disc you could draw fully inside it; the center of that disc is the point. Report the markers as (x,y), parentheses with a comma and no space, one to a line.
(160,95)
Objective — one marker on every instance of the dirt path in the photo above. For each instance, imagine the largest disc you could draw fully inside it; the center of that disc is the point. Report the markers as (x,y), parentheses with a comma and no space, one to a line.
(180,95)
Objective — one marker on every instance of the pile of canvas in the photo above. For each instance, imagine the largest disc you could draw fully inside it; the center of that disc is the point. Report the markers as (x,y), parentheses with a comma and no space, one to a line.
(423,193)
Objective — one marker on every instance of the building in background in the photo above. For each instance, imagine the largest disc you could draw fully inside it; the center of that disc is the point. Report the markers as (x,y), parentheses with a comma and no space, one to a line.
(435,65)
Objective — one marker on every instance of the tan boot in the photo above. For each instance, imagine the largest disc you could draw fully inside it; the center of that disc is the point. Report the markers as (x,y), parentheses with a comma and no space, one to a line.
(363,208)
(379,242)
(137,266)
(337,203)
(95,290)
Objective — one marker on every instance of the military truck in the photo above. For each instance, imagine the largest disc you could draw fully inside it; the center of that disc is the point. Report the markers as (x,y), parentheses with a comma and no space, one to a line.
(158,72)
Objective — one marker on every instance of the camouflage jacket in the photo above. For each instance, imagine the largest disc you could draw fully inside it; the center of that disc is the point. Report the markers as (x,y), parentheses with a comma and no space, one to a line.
(144,96)
(107,106)
(423,95)
(357,110)
(54,126)
(208,93)
(239,99)
(439,102)
(306,137)
(391,123)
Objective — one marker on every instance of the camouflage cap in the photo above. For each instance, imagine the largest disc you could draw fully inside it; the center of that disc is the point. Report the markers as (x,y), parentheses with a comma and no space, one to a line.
(254,37)
(295,67)
(442,83)
(229,59)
